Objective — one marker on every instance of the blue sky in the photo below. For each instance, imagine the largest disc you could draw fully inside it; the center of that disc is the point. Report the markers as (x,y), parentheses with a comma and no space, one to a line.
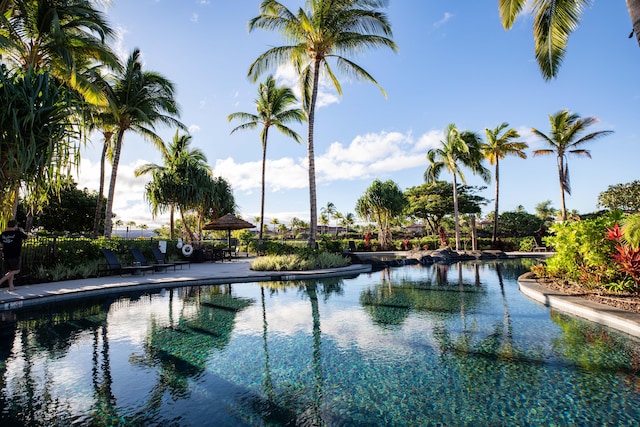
(456,64)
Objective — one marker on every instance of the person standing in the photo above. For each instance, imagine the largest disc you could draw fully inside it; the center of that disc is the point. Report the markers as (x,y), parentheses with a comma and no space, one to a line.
(11,240)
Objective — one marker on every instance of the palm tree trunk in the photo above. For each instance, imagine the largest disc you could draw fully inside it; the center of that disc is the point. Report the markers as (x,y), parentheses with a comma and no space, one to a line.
(186,226)
(634,13)
(313,221)
(494,236)
(264,166)
(108,220)
(103,159)
(562,185)
(172,232)
(456,215)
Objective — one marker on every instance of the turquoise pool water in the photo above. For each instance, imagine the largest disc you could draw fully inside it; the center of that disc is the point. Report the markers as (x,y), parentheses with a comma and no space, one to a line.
(420,346)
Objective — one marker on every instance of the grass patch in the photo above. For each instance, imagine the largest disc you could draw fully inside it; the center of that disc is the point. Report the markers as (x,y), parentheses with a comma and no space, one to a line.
(298,262)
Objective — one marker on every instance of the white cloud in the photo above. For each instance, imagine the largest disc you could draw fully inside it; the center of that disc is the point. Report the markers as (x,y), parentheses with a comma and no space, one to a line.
(194,129)
(194,17)
(446,18)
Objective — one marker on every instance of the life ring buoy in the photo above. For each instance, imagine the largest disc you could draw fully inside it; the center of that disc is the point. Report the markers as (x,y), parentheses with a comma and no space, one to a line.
(187,250)
(179,244)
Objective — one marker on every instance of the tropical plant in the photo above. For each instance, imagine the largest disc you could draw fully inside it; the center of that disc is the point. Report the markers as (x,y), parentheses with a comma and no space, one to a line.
(458,148)
(382,203)
(141,99)
(624,197)
(432,201)
(498,145)
(627,256)
(328,212)
(39,124)
(273,109)
(64,37)
(546,212)
(325,29)
(554,21)
(565,139)
(185,182)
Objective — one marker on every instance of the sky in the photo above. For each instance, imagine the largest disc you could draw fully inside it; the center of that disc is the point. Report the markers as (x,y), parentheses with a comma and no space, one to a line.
(455,64)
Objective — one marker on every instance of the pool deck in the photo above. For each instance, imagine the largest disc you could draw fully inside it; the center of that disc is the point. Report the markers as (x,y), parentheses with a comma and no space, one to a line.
(238,271)
(195,274)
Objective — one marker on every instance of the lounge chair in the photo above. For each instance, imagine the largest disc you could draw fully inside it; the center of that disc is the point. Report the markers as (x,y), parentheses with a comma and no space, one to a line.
(160,258)
(114,266)
(538,246)
(139,257)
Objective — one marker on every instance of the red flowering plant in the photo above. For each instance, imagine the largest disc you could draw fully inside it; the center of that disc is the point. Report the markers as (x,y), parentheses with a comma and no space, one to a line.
(627,256)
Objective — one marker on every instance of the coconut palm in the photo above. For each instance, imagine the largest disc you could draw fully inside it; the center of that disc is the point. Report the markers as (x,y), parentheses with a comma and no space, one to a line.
(554,22)
(498,145)
(329,211)
(273,104)
(566,128)
(64,37)
(458,148)
(325,29)
(141,99)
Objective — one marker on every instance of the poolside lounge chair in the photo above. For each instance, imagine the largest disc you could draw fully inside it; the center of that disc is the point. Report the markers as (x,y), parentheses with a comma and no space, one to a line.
(114,266)
(538,246)
(160,258)
(139,257)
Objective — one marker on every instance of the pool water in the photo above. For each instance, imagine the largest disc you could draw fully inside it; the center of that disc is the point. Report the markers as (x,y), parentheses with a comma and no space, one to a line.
(454,345)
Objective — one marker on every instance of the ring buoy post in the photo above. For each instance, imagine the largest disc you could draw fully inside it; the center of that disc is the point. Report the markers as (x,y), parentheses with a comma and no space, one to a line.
(187,250)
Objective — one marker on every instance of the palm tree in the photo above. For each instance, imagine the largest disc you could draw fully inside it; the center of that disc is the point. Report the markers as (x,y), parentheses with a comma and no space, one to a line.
(457,148)
(182,181)
(65,37)
(554,22)
(566,128)
(273,105)
(141,99)
(497,147)
(326,29)
(329,212)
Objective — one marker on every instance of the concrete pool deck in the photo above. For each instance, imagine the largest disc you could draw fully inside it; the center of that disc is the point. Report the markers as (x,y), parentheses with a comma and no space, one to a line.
(195,274)
(238,271)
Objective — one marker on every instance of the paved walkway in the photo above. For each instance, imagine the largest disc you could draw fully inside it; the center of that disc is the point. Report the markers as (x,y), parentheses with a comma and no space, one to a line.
(207,273)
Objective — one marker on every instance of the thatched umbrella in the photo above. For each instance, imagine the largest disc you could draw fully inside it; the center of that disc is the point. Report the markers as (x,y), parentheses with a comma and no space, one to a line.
(228,222)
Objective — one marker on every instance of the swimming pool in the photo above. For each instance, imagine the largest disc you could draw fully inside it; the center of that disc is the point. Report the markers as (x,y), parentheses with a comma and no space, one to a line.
(439,345)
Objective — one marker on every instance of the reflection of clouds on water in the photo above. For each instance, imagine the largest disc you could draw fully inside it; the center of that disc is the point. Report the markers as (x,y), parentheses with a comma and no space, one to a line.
(345,327)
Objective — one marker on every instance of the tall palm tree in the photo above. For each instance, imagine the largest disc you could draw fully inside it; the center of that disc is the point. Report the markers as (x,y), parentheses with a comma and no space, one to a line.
(63,37)
(329,211)
(273,109)
(498,145)
(566,128)
(325,29)
(141,99)
(554,22)
(458,148)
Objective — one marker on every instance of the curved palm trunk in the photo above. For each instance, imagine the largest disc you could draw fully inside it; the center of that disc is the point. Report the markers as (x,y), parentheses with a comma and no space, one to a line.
(634,13)
(187,229)
(456,215)
(494,236)
(313,222)
(108,220)
(264,166)
(103,159)
(172,221)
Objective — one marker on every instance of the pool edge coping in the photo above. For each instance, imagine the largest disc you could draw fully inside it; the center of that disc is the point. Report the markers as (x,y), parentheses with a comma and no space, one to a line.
(612,317)
(118,287)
